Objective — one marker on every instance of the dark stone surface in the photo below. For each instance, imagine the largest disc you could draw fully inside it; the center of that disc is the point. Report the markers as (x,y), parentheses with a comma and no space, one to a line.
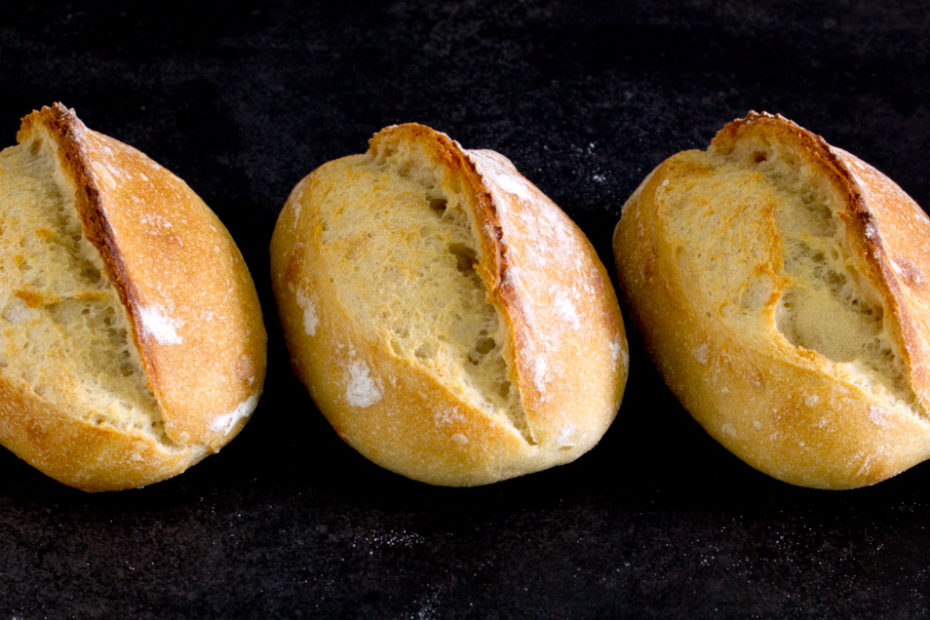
(585,98)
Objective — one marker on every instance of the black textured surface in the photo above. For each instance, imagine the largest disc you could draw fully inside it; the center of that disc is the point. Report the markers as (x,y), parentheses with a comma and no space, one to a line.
(585,98)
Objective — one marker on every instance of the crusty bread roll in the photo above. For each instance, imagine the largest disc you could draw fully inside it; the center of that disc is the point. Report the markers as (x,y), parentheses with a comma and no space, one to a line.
(131,339)
(449,320)
(781,286)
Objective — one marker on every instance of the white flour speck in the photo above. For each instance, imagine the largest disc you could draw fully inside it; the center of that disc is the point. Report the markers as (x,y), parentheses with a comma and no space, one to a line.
(225,422)
(361,389)
(443,417)
(540,373)
(492,169)
(566,310)
(700,353)
(615,350)
(158,325)
(311,319)
(879,417)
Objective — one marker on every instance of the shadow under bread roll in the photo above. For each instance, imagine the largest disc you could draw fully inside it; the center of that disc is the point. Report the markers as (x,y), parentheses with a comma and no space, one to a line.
(449,320)
(131,338)
(781,286)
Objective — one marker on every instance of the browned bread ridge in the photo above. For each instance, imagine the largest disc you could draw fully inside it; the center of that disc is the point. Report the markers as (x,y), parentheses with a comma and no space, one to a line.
(781,286)
(131,338)
(450,321)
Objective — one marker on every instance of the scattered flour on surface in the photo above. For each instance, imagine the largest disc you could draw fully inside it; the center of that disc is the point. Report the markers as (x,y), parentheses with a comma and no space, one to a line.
(615,350)
(567,310)
(308,305)
(227,421)
(540,373)
(700,353)
(158,325)
(443,417)
(566,438)
(393,538)
(156,221)
(879,417)
(498,168)
(361,389)
(866,461)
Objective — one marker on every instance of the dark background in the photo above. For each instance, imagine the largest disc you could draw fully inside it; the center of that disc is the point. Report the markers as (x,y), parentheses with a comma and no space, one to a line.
(585,98)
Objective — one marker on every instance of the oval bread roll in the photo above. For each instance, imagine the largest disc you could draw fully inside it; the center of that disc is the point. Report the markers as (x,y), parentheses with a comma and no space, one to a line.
(781,286)
(448,319)
(131,339)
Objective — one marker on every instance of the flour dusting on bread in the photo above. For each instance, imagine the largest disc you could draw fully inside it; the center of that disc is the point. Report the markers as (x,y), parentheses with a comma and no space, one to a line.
(361,388)
(308,305)
(158,325)
(224,423)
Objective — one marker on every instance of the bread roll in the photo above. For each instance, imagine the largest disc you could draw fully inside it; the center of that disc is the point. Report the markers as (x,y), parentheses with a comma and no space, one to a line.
(781,286)
(448,319)
(131,339)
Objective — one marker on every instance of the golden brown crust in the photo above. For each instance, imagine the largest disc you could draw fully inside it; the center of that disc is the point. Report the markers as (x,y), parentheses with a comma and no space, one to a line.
(82,454)
(786,410)
(194,310)
(539,271)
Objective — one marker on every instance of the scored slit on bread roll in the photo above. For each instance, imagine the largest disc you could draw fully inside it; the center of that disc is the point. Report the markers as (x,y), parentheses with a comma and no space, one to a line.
(781,286)
(449,320)
(131,339)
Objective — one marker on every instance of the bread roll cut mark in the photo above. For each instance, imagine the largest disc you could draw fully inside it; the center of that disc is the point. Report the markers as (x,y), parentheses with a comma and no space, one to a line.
(827,305)
(65,332)
(401,226)
(551,248)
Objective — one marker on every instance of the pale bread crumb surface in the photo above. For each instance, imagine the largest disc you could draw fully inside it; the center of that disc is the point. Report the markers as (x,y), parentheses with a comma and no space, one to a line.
(416,248)
(64,329)
(824,303)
